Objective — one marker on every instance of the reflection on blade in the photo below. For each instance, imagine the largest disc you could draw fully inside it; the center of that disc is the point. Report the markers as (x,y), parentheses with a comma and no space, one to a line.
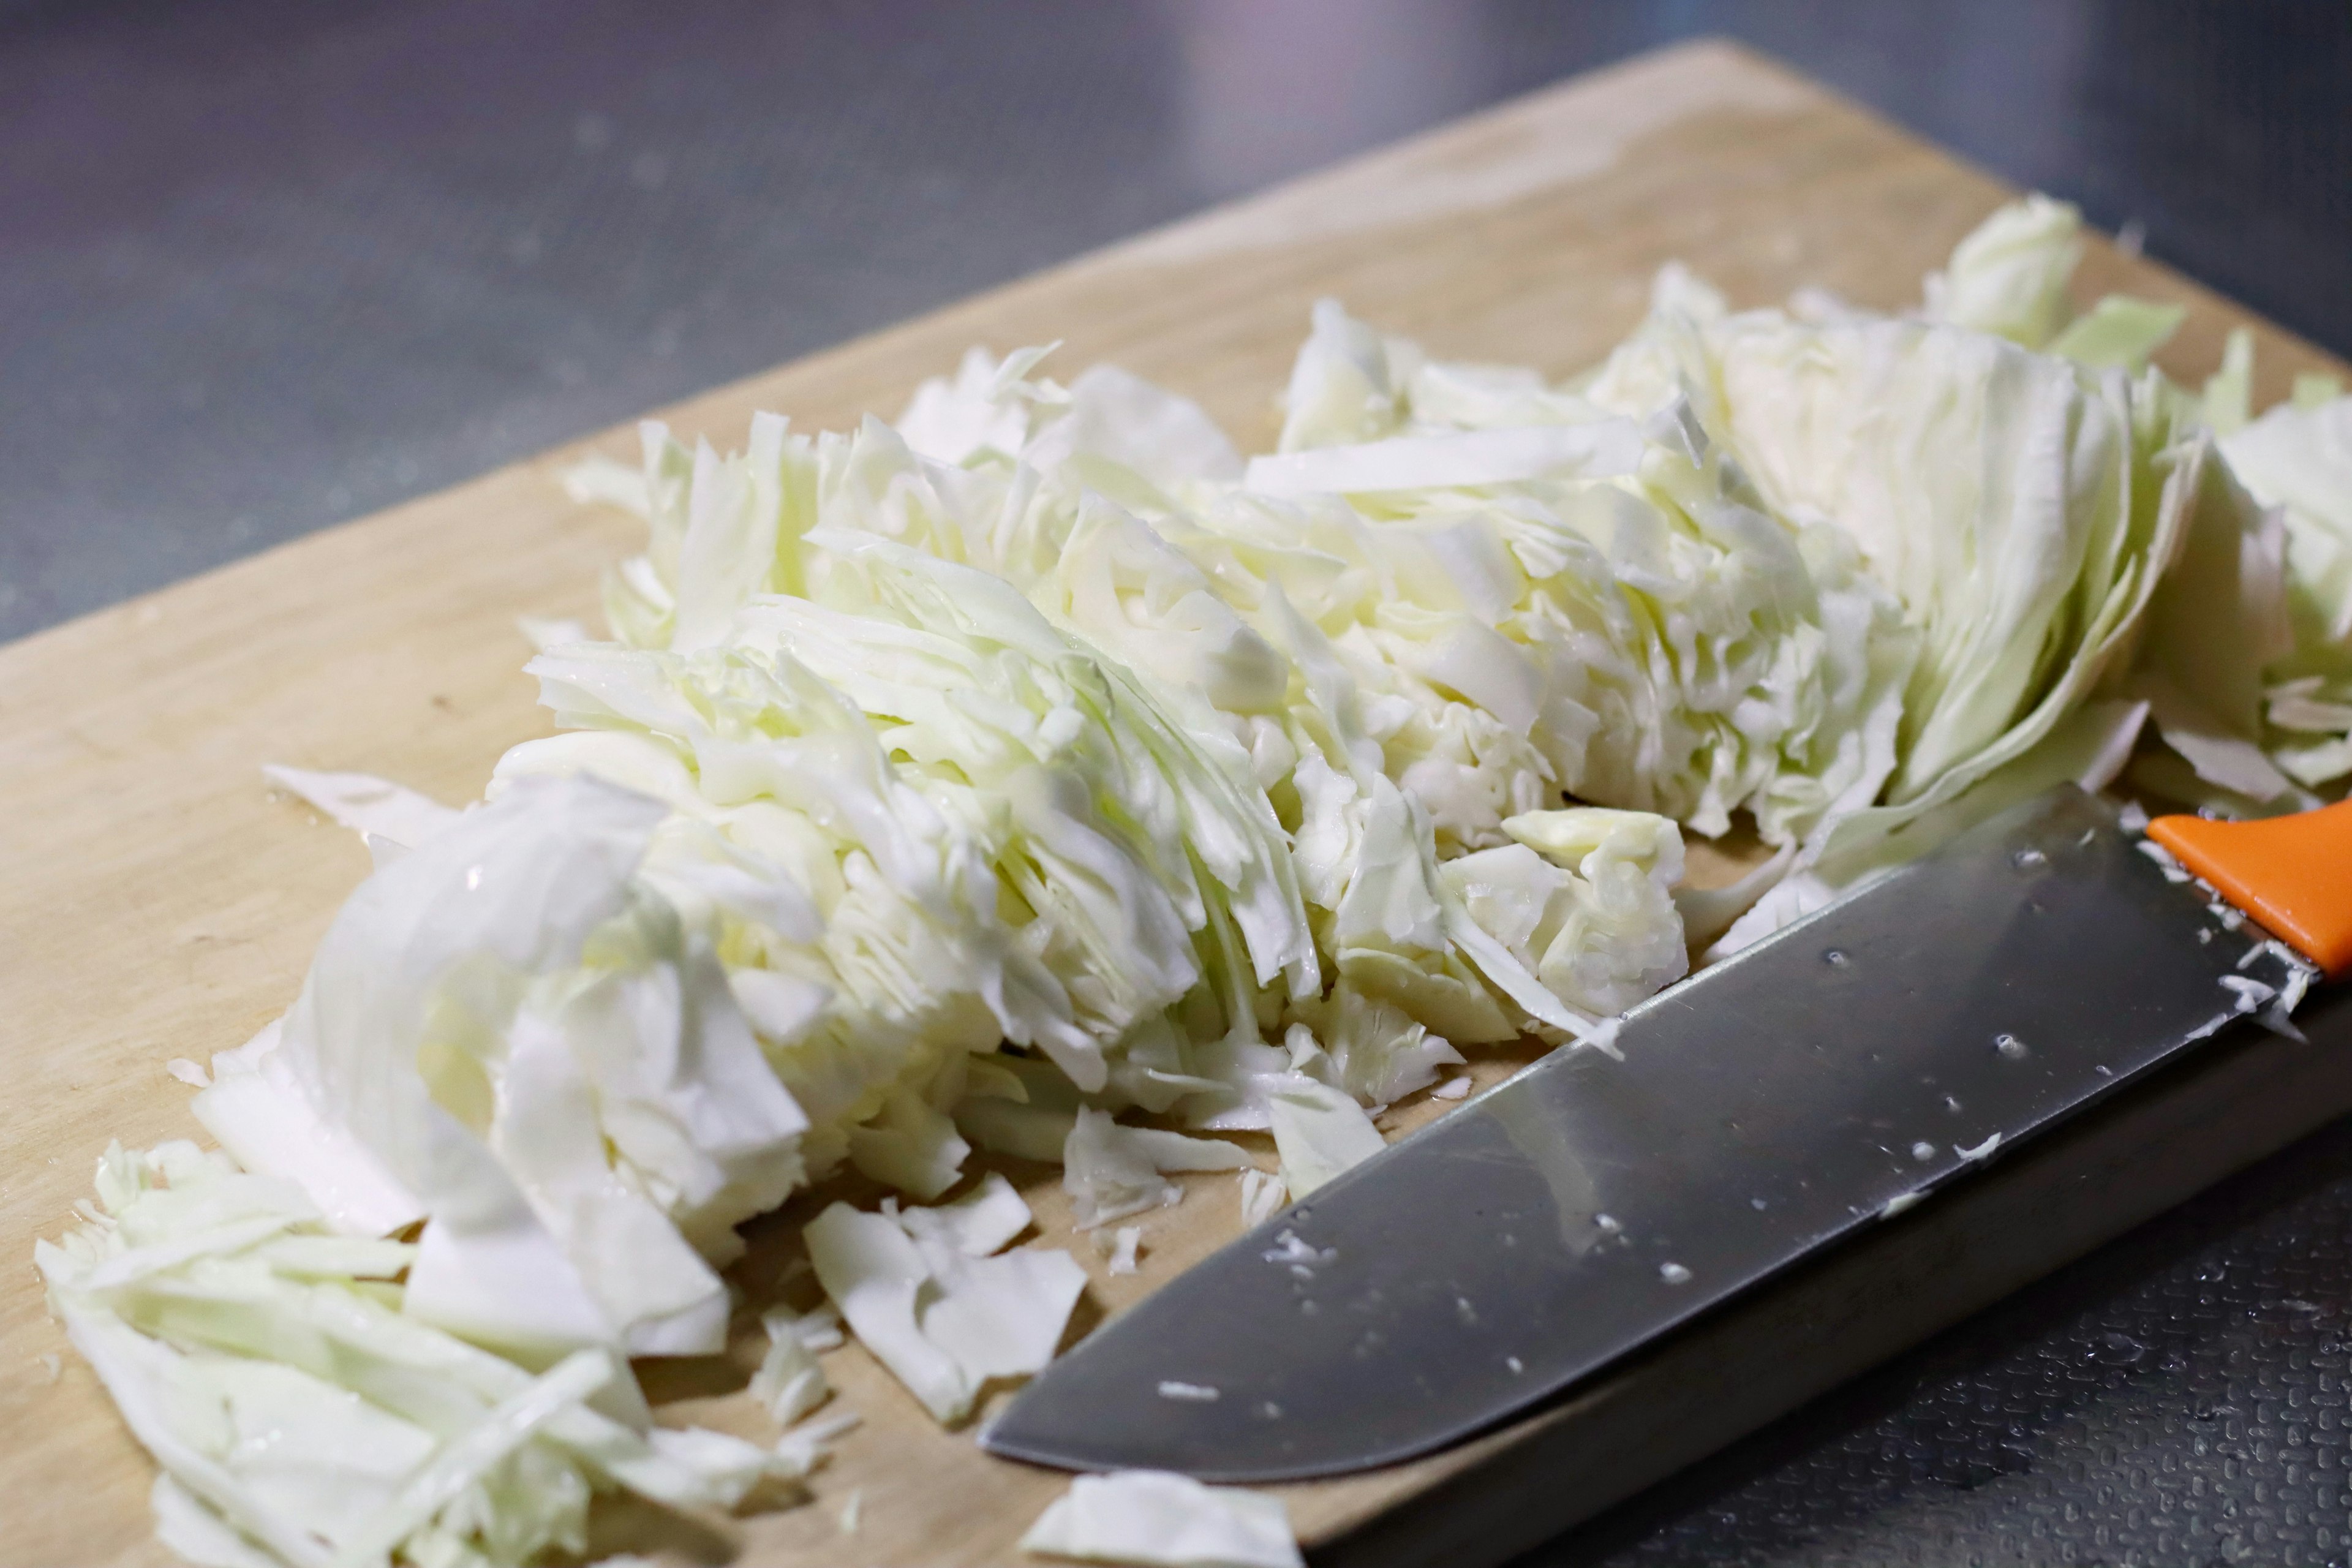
(1825,1078)
(1542,1141)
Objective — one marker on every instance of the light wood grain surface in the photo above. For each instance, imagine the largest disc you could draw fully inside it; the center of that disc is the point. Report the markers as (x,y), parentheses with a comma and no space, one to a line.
(156,901)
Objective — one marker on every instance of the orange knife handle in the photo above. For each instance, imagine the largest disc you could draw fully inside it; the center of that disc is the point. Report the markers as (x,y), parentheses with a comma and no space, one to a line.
(2293,874)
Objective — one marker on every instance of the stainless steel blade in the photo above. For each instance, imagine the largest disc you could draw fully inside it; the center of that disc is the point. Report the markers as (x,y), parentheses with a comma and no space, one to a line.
(1815,1084)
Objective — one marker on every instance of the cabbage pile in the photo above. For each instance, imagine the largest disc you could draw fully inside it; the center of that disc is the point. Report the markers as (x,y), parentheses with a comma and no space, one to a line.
(1037,764)
(300,1416)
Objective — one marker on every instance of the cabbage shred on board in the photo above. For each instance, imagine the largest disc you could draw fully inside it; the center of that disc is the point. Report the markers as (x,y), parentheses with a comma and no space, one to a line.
(1038,764)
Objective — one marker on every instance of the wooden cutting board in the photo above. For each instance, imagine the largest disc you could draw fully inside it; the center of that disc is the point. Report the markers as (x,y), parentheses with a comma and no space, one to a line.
(157,901)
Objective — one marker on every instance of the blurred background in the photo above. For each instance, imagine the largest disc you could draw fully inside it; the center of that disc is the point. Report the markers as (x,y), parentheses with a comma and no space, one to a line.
(269,264)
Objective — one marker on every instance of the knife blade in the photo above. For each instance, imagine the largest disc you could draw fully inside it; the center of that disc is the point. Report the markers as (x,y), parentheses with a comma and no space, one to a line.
(1820,1082)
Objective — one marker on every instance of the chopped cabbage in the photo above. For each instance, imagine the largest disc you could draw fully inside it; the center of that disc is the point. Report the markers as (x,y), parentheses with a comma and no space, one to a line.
(371,807)
(2053,520)
(2008,278)
(790,1383)
(2298,462)
(540,1050)
(927,1292)
(1164,1521)
(1112,1171)
(2016,507)
(1263,1196)
(301,1415)
(1041,762)
(1319,1131)
(2119,333)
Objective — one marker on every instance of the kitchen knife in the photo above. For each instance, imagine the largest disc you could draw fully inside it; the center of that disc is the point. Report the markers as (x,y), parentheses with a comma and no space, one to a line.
(1821,1082)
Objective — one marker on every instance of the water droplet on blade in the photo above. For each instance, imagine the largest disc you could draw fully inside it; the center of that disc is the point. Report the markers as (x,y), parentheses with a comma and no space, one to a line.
(2008,1045)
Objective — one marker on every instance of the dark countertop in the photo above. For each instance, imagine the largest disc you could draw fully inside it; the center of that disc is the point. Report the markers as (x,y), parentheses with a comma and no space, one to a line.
(269,264)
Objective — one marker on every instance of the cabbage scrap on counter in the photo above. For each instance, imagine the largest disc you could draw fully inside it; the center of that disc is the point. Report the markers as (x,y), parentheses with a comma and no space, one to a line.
(1039,775)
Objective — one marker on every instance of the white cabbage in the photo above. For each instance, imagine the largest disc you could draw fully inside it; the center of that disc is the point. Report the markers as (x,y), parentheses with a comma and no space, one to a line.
(1262,1197)
(790,1383)
(1126,1247)
(1039,761)
(536,1046)
(2243,657)
(1112,1171)
(2119,332)
(1320,1132)
(266,1361)
(2009,277)
(930,1294)
(1154,1517)
(2298,462)
(368,805)
(2054,521)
